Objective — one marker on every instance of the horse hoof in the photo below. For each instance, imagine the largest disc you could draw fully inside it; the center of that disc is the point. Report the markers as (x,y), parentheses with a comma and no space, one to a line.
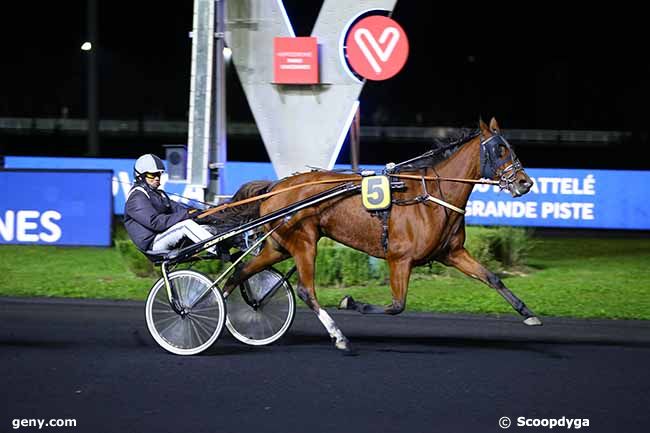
(533,321)
(345,348)
(347,303)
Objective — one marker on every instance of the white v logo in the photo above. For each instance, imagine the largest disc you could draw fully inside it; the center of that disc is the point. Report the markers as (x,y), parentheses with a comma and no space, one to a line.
(383,55)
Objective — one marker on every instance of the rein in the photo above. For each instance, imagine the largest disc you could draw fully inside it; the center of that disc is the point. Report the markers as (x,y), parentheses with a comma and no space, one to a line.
(428,197)
(404,176)
(448,179)
(506,177)
(269,194)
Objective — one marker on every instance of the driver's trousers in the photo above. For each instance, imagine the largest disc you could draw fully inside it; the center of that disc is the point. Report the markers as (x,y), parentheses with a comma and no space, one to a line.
(168,239)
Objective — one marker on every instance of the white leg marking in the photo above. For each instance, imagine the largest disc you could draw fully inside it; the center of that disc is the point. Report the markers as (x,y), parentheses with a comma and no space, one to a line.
(330,325)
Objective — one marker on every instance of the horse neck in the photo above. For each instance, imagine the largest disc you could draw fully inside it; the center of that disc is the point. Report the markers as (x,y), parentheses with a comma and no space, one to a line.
(463,164)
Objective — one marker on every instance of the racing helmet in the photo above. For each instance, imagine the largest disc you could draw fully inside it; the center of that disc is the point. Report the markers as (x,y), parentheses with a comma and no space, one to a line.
(148,163)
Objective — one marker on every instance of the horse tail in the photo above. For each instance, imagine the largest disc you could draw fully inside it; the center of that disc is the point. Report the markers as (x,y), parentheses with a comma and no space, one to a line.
(238,215)
(251,189)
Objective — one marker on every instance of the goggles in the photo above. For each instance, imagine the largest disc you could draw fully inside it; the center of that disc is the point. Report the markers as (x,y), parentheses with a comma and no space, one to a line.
(153,175)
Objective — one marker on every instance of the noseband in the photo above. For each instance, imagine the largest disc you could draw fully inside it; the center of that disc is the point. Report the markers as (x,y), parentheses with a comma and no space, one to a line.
(490,162)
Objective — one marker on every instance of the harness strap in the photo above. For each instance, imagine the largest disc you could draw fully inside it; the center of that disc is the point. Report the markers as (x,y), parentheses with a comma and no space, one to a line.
(422,198)
(445,204)
(428,197)
(410,201)
(383,216)
(384,226)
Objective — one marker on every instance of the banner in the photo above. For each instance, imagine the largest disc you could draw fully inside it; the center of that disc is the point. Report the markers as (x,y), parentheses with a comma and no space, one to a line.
(571,198)
(236,174)
(604,199)
(71,207)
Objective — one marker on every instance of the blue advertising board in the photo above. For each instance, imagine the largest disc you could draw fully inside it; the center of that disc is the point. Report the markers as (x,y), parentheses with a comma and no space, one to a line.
(604,199)
(236,173)
(68,207)
(568,198)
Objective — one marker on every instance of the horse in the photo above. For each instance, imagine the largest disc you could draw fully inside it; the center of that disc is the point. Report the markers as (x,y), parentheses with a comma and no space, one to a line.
(416,231)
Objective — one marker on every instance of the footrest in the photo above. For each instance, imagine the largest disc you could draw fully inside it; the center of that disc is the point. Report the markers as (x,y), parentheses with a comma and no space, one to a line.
(157,257)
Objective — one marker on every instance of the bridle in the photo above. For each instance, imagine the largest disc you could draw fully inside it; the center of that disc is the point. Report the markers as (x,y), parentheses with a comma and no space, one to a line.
(491,163)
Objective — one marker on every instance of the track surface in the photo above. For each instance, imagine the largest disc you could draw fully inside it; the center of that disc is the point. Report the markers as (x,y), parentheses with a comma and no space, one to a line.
(95,362)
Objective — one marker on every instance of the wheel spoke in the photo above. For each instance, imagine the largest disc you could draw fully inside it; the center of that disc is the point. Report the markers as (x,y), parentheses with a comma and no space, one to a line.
(194,332)
(204,317)
(170,326)
(201,297)
(162,321)
(202,310)
(161,302)
(271,316)
(206,330)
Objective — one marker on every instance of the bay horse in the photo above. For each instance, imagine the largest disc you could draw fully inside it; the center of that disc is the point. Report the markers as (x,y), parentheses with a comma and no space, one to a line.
(416,232)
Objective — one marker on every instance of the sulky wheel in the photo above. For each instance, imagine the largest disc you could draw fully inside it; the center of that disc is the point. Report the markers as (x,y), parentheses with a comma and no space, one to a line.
(261,309)
(199,324)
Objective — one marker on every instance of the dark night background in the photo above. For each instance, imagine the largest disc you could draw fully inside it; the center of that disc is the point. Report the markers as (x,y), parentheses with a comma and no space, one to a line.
(543,68)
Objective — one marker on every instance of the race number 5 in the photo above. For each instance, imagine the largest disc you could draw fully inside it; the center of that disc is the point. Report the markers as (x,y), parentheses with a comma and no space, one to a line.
(375,192)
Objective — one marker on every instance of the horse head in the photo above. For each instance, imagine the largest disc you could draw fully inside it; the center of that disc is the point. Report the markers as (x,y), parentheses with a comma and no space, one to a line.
(499,162)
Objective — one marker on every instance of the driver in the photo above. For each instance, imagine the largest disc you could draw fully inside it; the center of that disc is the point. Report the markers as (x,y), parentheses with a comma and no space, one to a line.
(153,221)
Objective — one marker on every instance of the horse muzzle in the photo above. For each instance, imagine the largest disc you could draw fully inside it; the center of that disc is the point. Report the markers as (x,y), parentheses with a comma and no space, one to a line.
(515,180)
(520,185)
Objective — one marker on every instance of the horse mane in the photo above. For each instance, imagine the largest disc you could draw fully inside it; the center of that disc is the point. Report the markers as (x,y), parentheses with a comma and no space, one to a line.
(442,149)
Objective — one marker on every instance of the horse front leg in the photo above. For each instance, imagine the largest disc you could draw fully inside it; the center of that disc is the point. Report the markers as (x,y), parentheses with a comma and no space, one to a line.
(400,272)
(464,262)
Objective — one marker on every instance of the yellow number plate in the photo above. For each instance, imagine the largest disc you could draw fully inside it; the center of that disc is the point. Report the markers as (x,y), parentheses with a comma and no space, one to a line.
(375,192)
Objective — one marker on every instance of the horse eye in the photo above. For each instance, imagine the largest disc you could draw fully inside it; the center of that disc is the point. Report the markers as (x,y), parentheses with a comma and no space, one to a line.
(502,151)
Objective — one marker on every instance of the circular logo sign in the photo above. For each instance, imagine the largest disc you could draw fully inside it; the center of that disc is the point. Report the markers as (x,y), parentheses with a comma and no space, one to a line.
(377,47)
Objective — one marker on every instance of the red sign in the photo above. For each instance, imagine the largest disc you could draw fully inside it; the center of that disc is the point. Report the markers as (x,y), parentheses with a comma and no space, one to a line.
(377,47)
(295,60)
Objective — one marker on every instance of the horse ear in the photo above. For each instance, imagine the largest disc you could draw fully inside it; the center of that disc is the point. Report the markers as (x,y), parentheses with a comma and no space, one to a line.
(494,126)
(483,126)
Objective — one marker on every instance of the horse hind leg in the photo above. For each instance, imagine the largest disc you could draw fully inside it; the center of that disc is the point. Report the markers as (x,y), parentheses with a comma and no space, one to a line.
(400,272)
(267,257)
(464,262)
(305,256)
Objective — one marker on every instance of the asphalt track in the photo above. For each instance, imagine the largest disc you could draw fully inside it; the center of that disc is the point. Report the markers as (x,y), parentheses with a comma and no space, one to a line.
(95,362)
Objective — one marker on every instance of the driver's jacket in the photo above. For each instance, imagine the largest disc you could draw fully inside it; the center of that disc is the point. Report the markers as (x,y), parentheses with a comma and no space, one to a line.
(148,212)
